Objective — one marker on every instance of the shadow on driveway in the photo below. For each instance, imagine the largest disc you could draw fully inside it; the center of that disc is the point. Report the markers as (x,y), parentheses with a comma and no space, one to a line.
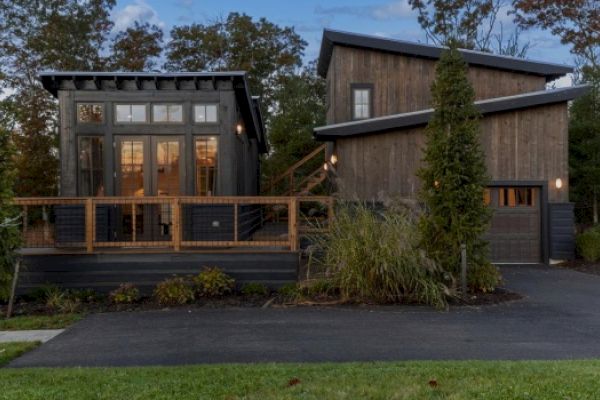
(559,318)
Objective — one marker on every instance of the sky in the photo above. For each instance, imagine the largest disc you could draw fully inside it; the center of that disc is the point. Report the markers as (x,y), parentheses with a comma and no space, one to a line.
(386,18)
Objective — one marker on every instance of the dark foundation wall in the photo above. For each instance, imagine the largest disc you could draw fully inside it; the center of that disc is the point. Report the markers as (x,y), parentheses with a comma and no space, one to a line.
(562,231)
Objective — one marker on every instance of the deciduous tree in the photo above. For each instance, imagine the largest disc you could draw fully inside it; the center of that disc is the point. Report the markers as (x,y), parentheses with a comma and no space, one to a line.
(137,48)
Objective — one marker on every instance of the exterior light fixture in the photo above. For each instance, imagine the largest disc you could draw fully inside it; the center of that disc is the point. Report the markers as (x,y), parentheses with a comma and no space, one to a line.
(559,183)
(333,159)
(326,167)
(436,184)
(239,129)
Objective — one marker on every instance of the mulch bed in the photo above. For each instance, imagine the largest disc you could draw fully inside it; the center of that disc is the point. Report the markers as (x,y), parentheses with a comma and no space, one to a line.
(498,296)
(581,266)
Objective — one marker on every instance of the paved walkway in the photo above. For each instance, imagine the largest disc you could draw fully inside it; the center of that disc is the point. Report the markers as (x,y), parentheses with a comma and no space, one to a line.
(558,319)
(41,335)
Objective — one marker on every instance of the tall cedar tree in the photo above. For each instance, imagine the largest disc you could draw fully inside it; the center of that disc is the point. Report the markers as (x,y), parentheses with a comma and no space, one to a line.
(300,106)
(264,49)
(45,35)
(9,230)
(137,48)
(454,174)
(584,152)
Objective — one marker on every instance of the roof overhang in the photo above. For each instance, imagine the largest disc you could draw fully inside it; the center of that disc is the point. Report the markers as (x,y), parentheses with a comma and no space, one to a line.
(419,118)
(330,38)
(53,81)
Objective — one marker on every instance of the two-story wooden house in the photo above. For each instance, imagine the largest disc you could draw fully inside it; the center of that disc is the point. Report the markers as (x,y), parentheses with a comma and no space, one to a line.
(379,104)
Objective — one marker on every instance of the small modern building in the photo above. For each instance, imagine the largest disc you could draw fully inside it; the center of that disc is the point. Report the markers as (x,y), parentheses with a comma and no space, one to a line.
(378,104)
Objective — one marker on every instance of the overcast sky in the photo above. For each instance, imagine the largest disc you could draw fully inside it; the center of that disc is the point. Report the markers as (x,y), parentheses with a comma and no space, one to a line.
(393,19)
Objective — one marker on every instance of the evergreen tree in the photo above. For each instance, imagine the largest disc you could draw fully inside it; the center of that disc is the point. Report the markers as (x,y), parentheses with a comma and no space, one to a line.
(454,175)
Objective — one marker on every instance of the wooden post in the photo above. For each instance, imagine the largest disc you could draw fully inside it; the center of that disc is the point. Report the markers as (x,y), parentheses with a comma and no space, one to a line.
(89,225)
(176,224)
(13,290)
(235,223)
(134,222)
(463,270)
(292,223)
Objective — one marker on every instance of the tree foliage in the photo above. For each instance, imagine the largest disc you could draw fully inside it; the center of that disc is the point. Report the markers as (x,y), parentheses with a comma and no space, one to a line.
(454,175)
(575,22)
(238,43)
(468,24)
(300,106)
(137,48)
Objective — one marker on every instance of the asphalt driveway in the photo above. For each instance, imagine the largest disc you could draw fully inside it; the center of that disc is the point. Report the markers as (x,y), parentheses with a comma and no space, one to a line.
(558,319)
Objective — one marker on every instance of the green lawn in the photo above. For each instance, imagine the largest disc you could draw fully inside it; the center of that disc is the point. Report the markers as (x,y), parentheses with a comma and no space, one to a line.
(27,322)
(397,380)
(8,351)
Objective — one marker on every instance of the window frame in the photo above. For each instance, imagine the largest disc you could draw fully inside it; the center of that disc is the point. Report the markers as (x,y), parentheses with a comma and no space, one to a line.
(117,122)
(361,86)
(168,114)
(216,122)
(504,196)
(216,168)
(80,138)
(90,103)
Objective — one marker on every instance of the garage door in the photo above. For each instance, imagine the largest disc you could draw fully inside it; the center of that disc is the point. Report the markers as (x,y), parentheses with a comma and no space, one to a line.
(514,234)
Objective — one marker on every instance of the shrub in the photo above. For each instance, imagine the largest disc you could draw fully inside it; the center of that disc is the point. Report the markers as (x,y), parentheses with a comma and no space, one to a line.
(213,282)
(126,293)
(289,291)
(58,300)
(374,255)
(483,278)
(255,289)
(588,244)
(173,291)
(84,295)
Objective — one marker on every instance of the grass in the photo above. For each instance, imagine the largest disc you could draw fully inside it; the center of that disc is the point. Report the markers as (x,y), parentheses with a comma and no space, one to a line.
(381,380)
(9,351)
(27,322)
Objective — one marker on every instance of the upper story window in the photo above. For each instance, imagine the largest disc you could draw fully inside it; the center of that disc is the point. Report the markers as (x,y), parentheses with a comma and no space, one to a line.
(90,113)
(127,113)
(361,101)
(167,113)
(206,113)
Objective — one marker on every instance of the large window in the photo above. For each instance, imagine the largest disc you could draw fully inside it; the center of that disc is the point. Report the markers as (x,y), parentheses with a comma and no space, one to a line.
(91,171)
(206,113)
(127,113)
(361,101)
(206,165)
(90,113)
(167,113)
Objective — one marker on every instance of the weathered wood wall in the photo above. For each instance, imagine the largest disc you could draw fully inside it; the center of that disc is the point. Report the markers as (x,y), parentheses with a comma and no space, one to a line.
(528,144)
(402,83)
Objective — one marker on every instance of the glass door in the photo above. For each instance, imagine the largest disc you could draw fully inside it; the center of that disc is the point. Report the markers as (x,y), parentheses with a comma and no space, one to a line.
(147,166)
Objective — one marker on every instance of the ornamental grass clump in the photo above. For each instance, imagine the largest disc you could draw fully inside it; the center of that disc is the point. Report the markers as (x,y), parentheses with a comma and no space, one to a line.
(174,291)
(373,256)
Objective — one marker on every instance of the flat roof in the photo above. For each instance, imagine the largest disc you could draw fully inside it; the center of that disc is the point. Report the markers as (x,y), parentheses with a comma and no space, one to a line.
(550,71)
(411,119)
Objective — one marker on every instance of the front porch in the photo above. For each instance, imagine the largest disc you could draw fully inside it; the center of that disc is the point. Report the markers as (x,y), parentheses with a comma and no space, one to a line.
(101,242)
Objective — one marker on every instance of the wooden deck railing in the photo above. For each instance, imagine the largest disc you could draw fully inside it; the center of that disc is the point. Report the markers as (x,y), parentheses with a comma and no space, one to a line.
(177,223)
(288,180)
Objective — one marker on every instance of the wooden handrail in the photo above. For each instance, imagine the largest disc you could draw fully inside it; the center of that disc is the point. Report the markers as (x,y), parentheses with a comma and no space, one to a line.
(295,166)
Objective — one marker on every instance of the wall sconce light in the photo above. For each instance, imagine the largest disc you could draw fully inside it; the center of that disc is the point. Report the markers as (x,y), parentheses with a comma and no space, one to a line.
(239,129)
(326,167)
(436,184)
(559,183)
(333,159)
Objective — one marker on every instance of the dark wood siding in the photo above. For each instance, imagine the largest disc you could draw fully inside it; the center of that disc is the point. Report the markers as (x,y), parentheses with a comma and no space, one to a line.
(402,83)
(529,144)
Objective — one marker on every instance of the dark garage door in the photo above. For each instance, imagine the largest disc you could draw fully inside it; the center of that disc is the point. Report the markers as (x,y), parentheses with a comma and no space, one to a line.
(514,234)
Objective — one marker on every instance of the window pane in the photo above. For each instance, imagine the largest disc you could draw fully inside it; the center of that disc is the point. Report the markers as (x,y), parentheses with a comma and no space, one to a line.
(132,168)
(211,113)
(175,113)
(91,169)
(167,168)
(138,113)
(357,96)
(90,113)
(123,113)
(159,113)
(199,113)
(206,166)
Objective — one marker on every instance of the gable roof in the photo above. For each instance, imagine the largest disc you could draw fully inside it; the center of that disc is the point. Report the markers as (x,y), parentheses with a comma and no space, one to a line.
(331,37)
(411,119)
(53,81)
